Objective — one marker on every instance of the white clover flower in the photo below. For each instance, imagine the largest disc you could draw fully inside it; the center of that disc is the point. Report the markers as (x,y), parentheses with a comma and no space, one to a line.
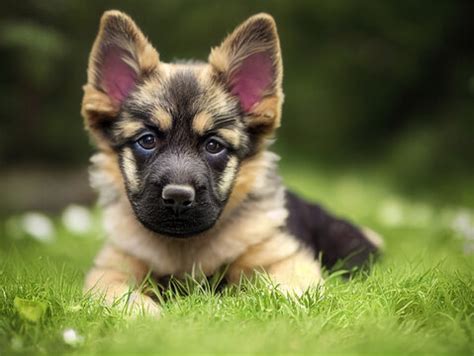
(391,213)
(463,225)
(77,219)
(39,226)
(72,338)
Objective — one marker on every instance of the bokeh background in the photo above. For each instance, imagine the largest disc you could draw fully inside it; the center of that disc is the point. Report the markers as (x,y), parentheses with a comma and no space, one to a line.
(378,88)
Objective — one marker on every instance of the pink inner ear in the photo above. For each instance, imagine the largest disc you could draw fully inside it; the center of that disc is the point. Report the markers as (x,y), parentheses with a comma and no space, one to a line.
(118,78)
(252,77)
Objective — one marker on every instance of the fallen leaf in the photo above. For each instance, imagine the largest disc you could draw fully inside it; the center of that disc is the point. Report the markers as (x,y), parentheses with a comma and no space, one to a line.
(30,310)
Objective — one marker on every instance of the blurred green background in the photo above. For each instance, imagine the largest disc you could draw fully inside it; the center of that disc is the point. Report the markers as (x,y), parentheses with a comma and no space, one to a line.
(379,88)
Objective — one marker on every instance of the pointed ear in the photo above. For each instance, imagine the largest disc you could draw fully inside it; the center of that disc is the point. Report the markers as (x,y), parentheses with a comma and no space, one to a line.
(120,57)
(249,63)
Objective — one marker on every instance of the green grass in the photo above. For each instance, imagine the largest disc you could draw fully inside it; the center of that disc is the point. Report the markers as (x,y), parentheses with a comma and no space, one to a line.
(418,299)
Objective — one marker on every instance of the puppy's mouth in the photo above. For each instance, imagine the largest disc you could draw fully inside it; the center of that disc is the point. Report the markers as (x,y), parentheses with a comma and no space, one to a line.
(179,228)
(182,230)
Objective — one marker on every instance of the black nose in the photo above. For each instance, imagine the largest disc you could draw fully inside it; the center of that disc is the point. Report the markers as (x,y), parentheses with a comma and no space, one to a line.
(178,197)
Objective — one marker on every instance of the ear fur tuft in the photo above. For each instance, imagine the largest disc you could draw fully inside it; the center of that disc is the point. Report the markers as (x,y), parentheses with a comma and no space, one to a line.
(121,55)
(249,62)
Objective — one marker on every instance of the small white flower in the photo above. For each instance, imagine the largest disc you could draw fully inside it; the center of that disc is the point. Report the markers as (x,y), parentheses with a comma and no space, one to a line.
(77,219)
(39,226)
(463,226)
(391,213)
(72,338)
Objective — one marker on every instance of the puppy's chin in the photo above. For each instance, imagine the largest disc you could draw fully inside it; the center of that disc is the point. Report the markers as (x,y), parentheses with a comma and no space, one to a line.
(180,229)
(177,227)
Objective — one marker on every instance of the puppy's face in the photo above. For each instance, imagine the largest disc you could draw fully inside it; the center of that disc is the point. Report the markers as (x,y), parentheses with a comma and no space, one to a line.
(181,131)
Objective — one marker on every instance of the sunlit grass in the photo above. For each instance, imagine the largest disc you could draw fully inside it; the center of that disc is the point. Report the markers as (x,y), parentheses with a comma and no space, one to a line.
(418,298)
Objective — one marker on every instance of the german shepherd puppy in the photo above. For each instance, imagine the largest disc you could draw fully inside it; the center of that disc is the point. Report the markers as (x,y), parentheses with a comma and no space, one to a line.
(183,171)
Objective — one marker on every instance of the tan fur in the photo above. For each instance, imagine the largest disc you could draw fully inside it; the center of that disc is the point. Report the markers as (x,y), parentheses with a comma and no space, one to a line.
(291,268)
(225,182)
(96,106)
(267,114)
(105,177)
(202,123)
(249,170)
(130,169)
(129,128)
(162,119)
(231,136)
(96,102)
(113,277)
(296,273)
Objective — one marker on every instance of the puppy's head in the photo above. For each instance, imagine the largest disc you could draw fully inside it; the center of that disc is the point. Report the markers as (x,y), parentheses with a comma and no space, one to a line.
(182,132)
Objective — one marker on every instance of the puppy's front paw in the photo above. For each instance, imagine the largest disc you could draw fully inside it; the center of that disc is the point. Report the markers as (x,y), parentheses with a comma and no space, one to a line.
(296,291)
(139,304)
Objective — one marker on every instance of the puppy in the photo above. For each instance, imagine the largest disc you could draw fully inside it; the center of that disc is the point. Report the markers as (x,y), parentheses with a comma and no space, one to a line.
(183,171)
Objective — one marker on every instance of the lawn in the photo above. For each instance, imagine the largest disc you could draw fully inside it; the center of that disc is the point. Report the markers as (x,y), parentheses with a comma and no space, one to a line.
(419,298)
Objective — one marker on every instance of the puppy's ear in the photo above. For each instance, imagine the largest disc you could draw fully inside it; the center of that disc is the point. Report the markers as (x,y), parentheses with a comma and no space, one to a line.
(249,63)
(120,57)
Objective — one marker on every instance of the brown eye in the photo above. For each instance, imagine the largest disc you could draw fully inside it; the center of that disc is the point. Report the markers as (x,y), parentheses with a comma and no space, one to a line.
(148,141)
(214,146)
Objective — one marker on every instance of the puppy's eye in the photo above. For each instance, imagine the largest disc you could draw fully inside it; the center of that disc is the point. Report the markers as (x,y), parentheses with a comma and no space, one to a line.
(148,141)
(213,146)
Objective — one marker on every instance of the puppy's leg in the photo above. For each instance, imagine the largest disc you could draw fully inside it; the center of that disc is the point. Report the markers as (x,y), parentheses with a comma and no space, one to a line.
(113,277)
(335,238)
(290,266)
(297,273)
